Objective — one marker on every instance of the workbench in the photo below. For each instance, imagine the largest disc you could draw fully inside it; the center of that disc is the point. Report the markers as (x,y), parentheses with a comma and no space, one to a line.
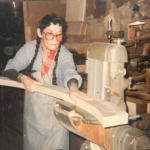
(138,101)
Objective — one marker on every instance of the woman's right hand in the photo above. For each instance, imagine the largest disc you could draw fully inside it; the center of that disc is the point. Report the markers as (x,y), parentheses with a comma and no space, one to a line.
(29,83)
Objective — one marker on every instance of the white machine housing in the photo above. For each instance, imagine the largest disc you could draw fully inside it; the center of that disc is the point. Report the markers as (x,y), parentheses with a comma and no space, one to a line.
(105,69)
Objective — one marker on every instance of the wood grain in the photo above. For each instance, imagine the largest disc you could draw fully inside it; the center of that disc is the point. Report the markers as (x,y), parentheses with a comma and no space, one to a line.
(94,133)
(105,112)
(75,10)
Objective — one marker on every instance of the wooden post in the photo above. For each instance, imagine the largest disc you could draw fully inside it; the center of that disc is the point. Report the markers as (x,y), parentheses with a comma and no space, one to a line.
(148,86)
(148,78)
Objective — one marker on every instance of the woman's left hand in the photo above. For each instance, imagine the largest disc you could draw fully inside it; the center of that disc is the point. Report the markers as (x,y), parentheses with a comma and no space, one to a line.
(75,94)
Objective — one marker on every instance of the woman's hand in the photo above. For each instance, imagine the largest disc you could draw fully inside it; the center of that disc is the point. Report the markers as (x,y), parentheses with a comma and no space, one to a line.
(75,94)
(29,83)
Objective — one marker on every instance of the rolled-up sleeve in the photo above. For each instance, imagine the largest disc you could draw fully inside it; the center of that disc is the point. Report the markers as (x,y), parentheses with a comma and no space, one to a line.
(68,69)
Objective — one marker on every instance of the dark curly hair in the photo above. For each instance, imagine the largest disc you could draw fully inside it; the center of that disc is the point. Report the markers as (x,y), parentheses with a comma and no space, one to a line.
(45,22)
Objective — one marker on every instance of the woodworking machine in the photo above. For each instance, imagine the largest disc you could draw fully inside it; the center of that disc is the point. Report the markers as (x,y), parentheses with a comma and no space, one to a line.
(106,82)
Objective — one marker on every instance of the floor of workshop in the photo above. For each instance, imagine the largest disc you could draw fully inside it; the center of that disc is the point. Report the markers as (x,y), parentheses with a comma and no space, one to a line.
(4,145)
(75,143)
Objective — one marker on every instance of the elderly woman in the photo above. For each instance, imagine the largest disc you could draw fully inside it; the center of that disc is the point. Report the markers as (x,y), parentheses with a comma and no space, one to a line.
(45,60)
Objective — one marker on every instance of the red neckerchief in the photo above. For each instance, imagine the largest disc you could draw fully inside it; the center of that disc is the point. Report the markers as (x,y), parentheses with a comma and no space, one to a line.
(47,60)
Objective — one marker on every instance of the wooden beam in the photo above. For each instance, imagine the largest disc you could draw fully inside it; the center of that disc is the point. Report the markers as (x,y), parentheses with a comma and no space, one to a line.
(105,112)
(137,106)
(138,94)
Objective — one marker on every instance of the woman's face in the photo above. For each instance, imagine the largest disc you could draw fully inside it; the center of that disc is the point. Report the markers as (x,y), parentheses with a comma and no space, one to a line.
(50,41)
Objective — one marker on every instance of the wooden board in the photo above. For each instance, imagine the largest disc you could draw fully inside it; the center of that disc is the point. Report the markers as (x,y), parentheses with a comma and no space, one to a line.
(75,10)
(81,48)
(76,38)
(142,92)
(105,112)
(81,68)
(76,28)
(137,106)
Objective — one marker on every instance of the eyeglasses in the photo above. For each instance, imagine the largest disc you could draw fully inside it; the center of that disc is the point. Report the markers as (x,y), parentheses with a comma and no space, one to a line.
(50,36)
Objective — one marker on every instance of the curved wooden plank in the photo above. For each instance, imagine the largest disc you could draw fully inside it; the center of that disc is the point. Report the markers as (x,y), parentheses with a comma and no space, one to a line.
(105,112)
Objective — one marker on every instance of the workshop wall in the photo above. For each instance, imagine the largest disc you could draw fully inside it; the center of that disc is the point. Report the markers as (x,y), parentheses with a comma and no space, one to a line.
(34,11)
(121,14)
(97,13)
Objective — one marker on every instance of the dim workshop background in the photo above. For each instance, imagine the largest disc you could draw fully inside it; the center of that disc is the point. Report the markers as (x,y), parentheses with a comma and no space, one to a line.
(110,43)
